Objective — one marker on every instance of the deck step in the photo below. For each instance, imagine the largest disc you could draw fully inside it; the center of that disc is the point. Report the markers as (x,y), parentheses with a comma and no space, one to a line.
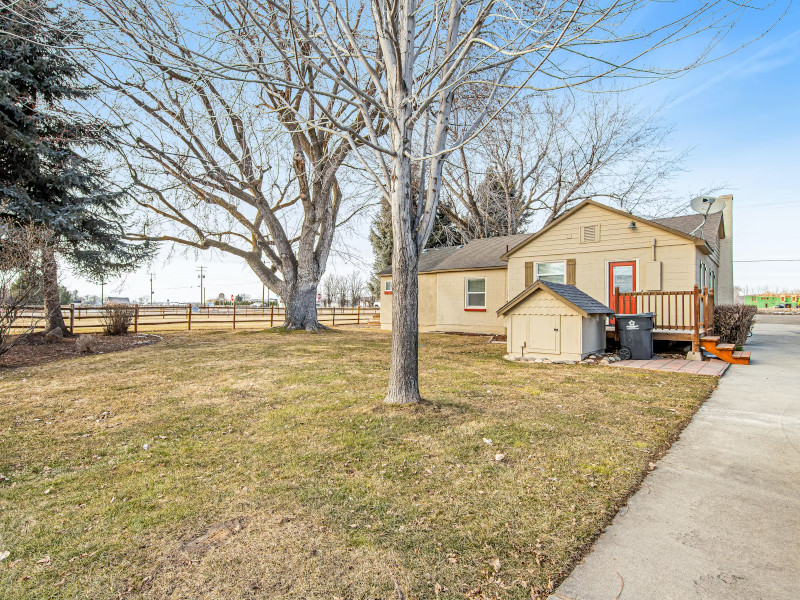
(739,358)
(726,352)
(710,338)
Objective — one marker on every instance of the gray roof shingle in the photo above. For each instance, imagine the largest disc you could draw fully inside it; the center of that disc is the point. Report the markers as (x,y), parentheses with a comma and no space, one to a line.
(568,292)
(688,223)
(477,254)
(580,299)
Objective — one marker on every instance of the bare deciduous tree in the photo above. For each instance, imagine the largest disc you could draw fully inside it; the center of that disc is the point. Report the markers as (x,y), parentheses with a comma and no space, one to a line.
(212,107)
(543,157)
(355,288)
(328,286)
(341,290)
(20,252)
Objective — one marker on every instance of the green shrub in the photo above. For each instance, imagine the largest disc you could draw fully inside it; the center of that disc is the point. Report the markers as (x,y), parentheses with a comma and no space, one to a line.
(117,318)
(732,322)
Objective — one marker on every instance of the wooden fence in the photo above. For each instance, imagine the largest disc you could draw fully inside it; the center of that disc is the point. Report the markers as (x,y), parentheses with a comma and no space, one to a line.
(153,318)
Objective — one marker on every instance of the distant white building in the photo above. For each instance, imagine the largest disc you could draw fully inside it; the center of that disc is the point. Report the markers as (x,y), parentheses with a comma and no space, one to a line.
(118,300)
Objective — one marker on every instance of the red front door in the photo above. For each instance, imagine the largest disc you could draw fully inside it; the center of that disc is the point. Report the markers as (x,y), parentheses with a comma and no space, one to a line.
(622,275)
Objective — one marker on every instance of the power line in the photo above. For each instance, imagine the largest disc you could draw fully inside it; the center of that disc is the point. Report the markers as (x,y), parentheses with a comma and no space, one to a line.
(770,260)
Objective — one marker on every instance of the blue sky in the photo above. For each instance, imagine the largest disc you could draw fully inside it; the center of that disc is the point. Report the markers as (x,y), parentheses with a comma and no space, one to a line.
(741,116)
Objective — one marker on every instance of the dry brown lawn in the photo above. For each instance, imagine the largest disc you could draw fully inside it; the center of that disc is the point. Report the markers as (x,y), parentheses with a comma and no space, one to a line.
(264,465)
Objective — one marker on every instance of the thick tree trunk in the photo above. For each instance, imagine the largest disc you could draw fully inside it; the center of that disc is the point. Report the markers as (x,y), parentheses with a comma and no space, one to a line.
(52,302)
(404,368)
(301,306)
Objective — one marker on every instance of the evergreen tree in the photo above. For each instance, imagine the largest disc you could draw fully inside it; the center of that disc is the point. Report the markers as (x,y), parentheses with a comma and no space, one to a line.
(499,210)
(493,207)
(380,236)
(443,234)
(44,179)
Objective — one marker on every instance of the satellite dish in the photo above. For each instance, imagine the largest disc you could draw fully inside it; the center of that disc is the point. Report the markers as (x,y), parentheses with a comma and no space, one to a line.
(707,205)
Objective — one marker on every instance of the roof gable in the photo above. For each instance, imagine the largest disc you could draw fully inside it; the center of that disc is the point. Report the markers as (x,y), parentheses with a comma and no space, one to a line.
(629,216)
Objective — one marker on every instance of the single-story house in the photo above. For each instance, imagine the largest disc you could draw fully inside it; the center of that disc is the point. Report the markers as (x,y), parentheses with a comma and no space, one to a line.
(594,247)
(769,299)
(118,300)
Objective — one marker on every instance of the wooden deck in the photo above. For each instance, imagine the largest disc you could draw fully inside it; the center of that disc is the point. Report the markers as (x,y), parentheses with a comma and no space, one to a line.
(679,316)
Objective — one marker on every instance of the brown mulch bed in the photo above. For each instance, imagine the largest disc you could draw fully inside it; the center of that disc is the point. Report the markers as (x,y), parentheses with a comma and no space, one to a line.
(34,350)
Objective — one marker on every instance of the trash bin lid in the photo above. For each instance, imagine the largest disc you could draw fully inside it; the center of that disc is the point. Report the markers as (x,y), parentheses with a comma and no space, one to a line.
(649,315)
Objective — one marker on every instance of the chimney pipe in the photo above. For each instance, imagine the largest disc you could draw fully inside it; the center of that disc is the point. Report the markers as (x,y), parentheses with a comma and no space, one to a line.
(724,292)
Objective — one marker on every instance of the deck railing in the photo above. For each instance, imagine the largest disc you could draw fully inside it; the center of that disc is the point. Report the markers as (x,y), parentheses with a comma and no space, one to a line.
(690,311)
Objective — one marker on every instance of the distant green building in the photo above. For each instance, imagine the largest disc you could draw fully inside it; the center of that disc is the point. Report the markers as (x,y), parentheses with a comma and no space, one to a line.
(770,300)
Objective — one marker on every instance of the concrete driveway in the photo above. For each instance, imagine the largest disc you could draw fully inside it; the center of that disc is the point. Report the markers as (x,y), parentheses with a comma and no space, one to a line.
(719,517)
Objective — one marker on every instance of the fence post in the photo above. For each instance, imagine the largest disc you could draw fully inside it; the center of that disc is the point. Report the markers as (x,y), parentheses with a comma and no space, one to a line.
(72,318)
(189,316)
(234,315)
(358,315)
(271,314)
(711,311)
(136,320)
(696,319)
(333,316)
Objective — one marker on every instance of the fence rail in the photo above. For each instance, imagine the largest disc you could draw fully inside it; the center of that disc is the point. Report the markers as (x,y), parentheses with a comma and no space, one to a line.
(690,311)
(153,318)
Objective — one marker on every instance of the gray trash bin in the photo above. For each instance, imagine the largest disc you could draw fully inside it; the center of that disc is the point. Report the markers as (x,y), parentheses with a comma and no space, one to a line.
(636,335)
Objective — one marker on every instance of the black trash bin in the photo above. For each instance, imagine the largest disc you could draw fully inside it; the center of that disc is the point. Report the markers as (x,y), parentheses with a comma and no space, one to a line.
(636,336)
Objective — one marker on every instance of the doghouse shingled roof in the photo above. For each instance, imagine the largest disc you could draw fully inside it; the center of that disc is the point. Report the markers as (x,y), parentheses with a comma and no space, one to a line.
(582,301)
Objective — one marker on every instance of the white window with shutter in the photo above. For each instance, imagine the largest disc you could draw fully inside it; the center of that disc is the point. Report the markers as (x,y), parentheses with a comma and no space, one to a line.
(553,272)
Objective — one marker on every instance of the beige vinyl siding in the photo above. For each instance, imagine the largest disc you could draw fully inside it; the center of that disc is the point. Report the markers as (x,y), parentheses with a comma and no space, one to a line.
(618,242)
(427,301)
(534,318)
(711,267)
(451,294)
(386,304)
(442,302)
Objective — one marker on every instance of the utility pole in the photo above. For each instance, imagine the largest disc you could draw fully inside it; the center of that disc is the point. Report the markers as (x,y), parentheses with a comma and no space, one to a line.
(202,277)
(151,289)
(102,296)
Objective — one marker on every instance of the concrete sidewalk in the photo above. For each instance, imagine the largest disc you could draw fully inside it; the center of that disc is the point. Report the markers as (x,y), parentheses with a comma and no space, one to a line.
(719,518)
